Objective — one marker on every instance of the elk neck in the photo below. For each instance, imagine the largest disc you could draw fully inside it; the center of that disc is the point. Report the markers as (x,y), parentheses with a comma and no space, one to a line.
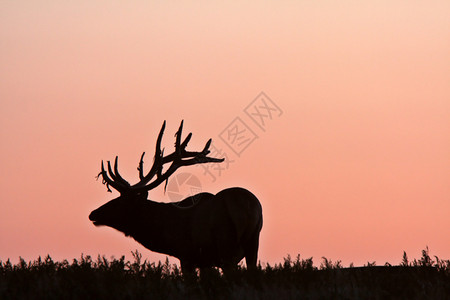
(157,226)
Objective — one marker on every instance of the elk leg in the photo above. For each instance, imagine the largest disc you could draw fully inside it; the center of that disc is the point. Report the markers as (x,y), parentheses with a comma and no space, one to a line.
(251,251)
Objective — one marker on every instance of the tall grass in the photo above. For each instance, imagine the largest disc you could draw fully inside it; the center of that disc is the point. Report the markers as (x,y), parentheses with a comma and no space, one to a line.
(101,278)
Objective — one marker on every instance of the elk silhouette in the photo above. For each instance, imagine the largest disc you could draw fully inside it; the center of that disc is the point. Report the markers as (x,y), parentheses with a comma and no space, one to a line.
(218,230)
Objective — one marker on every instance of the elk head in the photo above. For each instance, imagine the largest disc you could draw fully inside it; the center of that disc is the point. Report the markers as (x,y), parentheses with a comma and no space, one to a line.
(120,211)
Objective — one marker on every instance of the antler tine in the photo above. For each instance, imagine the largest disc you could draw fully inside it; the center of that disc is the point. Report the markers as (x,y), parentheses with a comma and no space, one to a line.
(158,141)
(110,172)
(157,161)
(113,178)
(178,139)
(186,141)
(117,174)
(181,147)
(180,157)
(141,167)
(205,150)
(108,181)
(159,170)
(200,157)
(105,178)
(177,164)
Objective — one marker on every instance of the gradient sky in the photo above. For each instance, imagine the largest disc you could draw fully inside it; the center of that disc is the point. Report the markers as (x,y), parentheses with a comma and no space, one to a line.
(356,168)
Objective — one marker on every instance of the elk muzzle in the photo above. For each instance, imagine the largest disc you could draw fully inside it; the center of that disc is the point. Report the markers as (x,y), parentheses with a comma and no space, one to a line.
(93,216)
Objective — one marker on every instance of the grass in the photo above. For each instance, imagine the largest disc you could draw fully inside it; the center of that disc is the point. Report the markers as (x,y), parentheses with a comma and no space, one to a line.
(102,278)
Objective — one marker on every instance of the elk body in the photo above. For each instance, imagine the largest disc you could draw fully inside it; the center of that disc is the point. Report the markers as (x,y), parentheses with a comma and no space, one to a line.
(218,230)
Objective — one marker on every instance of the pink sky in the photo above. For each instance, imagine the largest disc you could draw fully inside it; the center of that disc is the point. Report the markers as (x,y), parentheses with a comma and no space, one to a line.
(357,168)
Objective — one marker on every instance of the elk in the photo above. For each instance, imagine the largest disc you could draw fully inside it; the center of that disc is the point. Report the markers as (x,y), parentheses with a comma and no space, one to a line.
(218,231)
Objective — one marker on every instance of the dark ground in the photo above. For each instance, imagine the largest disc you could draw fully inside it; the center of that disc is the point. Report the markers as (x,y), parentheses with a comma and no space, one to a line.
(294,279)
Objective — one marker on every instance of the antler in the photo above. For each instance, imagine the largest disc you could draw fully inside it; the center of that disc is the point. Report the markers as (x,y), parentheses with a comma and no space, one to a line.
(114,179)
(180,157)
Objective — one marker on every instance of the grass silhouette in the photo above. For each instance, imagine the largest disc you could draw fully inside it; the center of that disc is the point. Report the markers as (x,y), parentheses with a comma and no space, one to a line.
(86,278)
